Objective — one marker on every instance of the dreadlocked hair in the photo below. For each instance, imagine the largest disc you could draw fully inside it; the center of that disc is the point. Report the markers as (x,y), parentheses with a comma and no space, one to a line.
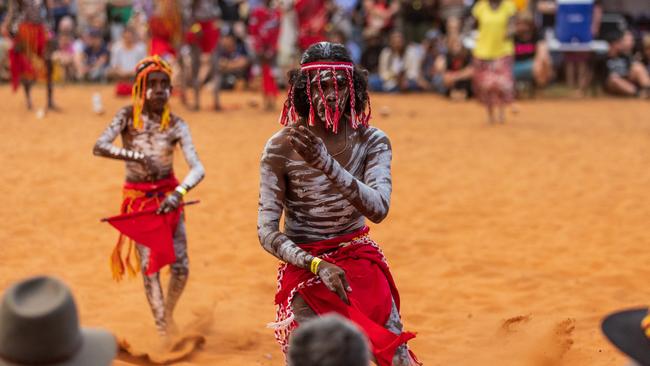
(145,67)
(332,56)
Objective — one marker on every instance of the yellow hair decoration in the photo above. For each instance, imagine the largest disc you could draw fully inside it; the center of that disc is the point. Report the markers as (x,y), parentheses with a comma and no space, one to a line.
(138,93)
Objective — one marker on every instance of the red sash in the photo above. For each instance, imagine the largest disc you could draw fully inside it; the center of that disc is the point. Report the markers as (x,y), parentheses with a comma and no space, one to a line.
(373,291)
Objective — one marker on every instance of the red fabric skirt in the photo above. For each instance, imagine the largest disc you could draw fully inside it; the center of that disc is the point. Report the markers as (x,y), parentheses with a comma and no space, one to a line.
(142,196)
(371,298)
(161,38)
(493,80)
(206,36)
(26,57)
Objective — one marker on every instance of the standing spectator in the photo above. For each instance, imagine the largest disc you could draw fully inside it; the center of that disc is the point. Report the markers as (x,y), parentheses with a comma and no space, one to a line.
(330,340)
(458,70)
(532,57)
(125,55)
(417,17)
(493,55)
(312,19)
(59,9)
(400,67)
(95,55)
(452,12)
(264,30)
(119,13)
(625,76)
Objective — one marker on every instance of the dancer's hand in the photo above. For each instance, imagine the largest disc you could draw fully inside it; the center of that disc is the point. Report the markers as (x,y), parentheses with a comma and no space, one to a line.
(171,203)
(309,146)
(334,279)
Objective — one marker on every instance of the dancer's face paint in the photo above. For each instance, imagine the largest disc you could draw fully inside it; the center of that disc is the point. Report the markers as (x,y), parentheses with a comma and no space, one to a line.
(330,83)
(158,90)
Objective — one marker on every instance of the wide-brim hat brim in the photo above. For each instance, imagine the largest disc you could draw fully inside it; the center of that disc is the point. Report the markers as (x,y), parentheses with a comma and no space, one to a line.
(98,349)
(624,330)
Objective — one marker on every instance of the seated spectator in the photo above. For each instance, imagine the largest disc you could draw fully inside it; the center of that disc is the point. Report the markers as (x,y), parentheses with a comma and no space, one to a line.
(125,55)
(40,326)
(645,52)
(629,331)
(59,9)
(532,57)
(458,70)
(234,61)
(64,55)
(370,56)
(400,67)
(95,57)
(625,76)
(433,62)
(328,341)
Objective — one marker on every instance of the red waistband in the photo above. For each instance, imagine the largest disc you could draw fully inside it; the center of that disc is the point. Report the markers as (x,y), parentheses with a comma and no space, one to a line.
(166,184)
(324,245)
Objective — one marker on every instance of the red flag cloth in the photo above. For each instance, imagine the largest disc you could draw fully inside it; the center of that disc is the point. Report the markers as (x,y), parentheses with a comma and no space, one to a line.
(151,230)
(373,291)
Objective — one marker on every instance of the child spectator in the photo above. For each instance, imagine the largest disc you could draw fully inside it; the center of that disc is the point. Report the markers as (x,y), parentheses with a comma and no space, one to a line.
(625,76)
(532,57)
(64,56)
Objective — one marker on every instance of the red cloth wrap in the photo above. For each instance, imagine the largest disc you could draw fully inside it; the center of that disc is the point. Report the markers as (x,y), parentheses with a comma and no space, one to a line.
(373,291)
(207,38)
(144,196)
(26,56)
(162,37)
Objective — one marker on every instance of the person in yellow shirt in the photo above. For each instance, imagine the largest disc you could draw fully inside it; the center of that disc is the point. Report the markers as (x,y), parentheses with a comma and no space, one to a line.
(493,55)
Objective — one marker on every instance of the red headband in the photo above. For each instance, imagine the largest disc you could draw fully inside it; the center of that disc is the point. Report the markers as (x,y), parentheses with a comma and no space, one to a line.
(289,116)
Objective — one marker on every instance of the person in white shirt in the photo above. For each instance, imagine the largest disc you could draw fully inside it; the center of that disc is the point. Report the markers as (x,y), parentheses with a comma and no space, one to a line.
(125,55)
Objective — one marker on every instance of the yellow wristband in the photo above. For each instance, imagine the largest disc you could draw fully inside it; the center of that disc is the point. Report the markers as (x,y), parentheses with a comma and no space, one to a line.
(181,190)
(314,265)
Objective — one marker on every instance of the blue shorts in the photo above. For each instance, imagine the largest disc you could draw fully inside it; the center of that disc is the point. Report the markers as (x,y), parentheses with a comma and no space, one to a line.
(523,70)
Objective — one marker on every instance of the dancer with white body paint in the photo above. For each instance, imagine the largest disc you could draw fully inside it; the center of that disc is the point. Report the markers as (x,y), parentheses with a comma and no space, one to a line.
(149,135)
(328,171)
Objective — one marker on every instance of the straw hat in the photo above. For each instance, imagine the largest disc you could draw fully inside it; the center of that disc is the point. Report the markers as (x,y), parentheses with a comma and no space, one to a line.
(39,325)
(624,330)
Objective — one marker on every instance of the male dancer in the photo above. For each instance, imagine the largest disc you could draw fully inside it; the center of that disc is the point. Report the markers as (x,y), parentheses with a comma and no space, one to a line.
(31,54)
(329,171)
(149,135)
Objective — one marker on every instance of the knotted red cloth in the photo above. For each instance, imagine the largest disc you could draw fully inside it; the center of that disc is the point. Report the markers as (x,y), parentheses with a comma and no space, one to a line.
(154,231)
(371,298)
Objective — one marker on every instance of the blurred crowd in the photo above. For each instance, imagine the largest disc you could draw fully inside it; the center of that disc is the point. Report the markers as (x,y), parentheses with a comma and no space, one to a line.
(406,45)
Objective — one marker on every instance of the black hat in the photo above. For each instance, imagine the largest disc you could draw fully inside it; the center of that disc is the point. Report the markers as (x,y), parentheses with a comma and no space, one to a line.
(39,325)
(624,330)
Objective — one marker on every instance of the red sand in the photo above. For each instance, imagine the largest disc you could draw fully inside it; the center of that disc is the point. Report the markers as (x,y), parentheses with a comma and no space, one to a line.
(508,243)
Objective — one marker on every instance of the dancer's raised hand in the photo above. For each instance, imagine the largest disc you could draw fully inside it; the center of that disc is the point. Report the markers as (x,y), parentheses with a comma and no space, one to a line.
(309,146)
